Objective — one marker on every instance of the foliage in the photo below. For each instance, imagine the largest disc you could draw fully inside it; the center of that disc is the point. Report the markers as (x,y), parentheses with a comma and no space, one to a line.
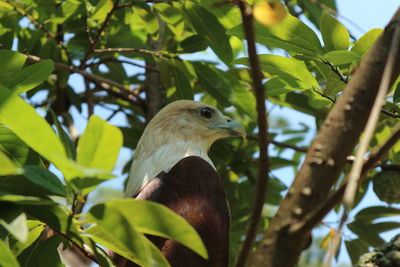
(123,50)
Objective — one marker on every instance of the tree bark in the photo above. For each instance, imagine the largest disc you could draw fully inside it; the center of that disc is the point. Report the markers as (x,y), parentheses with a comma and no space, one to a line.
(325,160)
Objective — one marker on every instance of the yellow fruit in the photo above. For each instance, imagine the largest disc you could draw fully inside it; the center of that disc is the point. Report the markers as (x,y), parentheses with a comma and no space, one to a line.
(269,13)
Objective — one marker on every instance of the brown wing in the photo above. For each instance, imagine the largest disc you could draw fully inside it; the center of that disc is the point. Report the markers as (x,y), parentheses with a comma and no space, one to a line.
(193,190)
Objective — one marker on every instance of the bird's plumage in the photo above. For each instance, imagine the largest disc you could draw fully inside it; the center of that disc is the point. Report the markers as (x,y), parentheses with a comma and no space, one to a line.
(177,131)
(171,167)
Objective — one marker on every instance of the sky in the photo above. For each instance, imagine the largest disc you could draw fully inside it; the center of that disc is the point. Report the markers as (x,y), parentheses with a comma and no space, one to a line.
(359,16)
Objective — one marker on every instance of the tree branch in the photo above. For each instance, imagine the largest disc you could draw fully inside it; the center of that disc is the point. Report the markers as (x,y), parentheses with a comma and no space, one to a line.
(281,144)
(96,39)
(263,135)
(128,94)
(327,156)
(312,219)
(143,51)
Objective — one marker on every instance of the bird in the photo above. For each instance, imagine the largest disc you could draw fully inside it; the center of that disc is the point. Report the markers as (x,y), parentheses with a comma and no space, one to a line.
(171,166)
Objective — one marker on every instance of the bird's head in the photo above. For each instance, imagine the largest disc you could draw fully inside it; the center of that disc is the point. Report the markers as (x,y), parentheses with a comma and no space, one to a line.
(194,121)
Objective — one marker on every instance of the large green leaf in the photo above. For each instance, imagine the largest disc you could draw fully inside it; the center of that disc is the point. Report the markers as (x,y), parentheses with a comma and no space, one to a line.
(11,63)
(118,233)
(365,42)
(212,82)
(334,34)
(7,258)
(144,215)
(206,24)
(340,57)
(32,76)
(42,177)
(8,167)
(99,145)
(372,213)
(288,68)
(356,248)
(16,149)
(291,35)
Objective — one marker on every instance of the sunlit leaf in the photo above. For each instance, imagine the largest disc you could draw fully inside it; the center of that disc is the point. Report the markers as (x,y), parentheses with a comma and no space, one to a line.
(334,34)
(7,258)
(172,226)
(14,221)
(11,63)
(291,35)
(8,167)
(365,42)
(32,76)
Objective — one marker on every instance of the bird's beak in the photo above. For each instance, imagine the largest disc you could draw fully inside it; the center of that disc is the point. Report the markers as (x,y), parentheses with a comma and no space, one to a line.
(232,127)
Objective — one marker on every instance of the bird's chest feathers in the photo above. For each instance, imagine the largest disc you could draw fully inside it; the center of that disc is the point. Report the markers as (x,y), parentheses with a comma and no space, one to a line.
(162,159)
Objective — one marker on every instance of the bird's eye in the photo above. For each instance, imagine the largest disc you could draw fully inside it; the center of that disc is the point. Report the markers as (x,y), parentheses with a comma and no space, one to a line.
(206,112)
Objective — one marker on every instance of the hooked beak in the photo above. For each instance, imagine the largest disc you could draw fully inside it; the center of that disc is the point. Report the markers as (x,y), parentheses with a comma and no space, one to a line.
(232,127)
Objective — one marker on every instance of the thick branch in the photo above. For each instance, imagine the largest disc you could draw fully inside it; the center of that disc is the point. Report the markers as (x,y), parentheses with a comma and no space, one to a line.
(373,160)
(262,179)
(326,158)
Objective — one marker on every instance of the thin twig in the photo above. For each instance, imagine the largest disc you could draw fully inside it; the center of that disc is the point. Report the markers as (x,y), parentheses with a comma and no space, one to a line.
(116,60)
(96,39)
(262,179)
(128,94)
(143,51)
(336,70)
(281,144)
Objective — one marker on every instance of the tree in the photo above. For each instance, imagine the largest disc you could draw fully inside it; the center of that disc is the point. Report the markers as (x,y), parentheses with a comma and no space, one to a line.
(132,58)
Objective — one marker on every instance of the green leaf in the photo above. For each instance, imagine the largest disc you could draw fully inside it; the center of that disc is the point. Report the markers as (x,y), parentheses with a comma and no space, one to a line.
(14,220)
(341,57)
(193,43)
(8,167)
(101,10)
(212,83)
(146,220)
(45,179)
(35,229)
(356,248)
(16,149)
(366,41)
(291,35)
(29,126)
(43,253)
(116,232)
(206,24)
(32,76)
(68,144)
(334,34)
(7,258)
(182,83)
(365,233)
(372,213)
(11,63)
(99,145)
(277,86)
(288,68)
